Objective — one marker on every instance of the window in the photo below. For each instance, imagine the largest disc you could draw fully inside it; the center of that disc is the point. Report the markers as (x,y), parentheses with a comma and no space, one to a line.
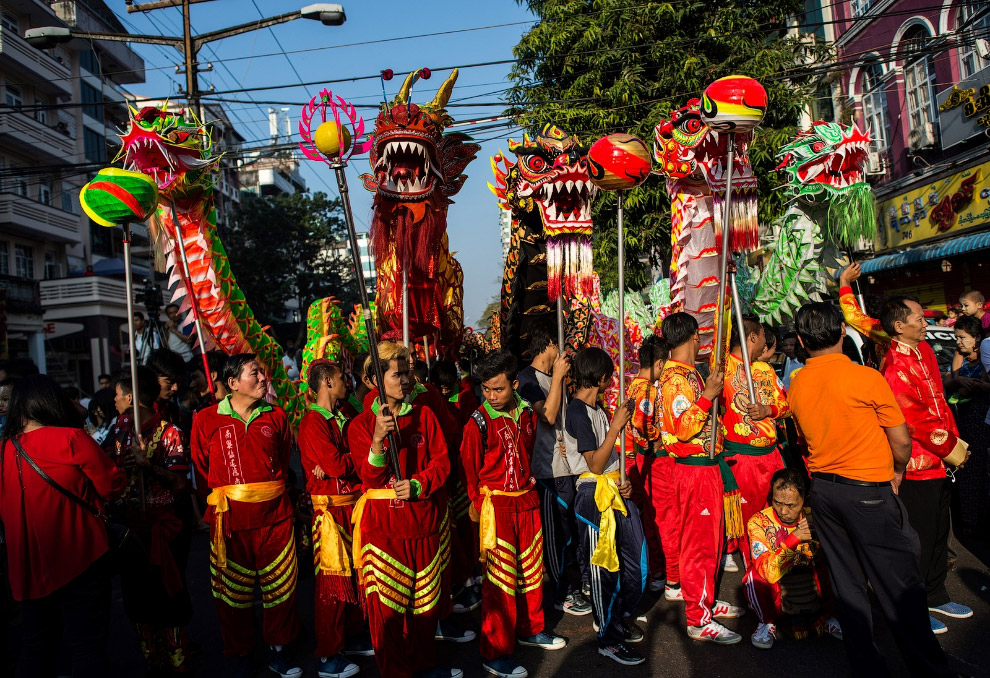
(970,60)
(13,96)
(20,185)
(92,101)
(821,106)
(51,267)
(41,113)
(67,203)
(94,147)
(45,192)
(89,62)
(9,22)
(919,77)
(861,7)
(24,261)
(875,106)
(4,258)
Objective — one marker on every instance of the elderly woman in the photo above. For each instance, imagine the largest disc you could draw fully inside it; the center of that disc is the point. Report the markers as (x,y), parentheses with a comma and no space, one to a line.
(57,550)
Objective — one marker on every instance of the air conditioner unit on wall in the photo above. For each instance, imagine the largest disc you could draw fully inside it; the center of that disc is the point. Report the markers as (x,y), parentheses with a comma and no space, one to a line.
(983,48)
(875,163)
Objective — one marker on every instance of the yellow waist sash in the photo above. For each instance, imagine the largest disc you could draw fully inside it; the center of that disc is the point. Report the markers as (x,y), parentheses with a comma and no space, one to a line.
(333,555)
(607,500)
(251,493)
(487,523)
(357,542)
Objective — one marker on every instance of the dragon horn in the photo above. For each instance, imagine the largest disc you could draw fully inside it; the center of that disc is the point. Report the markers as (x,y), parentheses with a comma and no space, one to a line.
(443,94)
(403,96)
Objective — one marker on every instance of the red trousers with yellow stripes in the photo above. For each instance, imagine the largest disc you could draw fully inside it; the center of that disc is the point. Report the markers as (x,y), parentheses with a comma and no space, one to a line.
(336,613)
(512,588)
(406,589)
(266,556)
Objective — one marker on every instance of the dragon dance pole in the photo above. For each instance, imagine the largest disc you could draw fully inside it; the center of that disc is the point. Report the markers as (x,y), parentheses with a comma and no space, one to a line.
(737,306)
(426,350)
(405,305)
(622,335)
(192,301)
(129,283)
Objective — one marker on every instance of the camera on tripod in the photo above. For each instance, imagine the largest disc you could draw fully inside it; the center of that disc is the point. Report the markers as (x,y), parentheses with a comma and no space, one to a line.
(151,296)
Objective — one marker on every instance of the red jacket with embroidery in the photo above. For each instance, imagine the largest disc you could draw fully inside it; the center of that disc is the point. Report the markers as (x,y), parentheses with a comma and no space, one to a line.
(737,425)
(228,452)
(503,460)
(422,457)
(686,422)
(644,426)
(914,378)
(321,443)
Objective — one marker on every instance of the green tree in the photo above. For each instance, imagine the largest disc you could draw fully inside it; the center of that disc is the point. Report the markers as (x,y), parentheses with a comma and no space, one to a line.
(600,66)
(287,248)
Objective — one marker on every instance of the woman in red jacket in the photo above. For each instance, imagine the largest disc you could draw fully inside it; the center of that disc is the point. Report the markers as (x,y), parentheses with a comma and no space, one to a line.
(57,550)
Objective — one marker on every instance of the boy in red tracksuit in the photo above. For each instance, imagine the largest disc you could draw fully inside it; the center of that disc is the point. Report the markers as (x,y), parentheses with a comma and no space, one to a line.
(497,451)
(401,527)
(686,402)
(335,487)
(241,446)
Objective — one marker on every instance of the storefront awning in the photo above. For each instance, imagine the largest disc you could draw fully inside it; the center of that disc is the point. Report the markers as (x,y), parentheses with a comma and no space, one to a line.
(946,248)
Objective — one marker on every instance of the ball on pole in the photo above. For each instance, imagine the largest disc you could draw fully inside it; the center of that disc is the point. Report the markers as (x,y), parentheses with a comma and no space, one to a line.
(734,104)
(332,139)
(619,162)
(117,196)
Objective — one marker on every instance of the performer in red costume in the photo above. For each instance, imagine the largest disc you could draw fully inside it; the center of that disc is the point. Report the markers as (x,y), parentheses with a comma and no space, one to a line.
(497,452)
(750,429)
(402,527)
(697,480)
(241,446)
(334,487)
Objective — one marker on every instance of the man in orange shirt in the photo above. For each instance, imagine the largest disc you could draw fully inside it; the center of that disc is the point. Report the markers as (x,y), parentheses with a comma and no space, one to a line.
(859,447)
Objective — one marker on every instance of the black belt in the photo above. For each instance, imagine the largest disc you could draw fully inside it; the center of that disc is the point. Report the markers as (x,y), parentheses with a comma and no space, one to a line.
(842,480)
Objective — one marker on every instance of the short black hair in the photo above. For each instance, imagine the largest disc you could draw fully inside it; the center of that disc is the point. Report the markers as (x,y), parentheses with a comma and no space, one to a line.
(975,296)
(234,366)
(139,314)
(148,388)
(970,325)
(39,398)
(894,310)
(678,328)
(751,325)
(538,341)
(71,392)
(421,371)
(102,400)
(496,363)
(357,367)
(319,371)
(175,306)
(216,360)
(590,365)
(771,336)
(819,325)
(785,478)
(789,335)
(101,377)
(652,349)
(444,373)
(166,363)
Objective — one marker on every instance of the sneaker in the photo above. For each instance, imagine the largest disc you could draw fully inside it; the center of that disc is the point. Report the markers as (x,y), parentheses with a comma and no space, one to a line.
(954,610)
(575,604)
(620,653)
(713,632)
(730,563)
(544,641)
(833,629)
(440,672)
(359,646)
(764,636)
(938,627)
(586,589)
(632,633)
(467,600)
(674,594)
(337,666)
(280,662)
(723,610)
(504,667)
(450,631)
(657,585)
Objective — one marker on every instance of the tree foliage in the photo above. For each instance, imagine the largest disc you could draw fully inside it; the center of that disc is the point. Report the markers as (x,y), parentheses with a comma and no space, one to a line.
(600,66)
(285,248)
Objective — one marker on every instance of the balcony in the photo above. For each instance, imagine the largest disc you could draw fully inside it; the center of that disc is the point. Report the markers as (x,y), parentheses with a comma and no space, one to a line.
(47,73)
(82,297)
(23,215)
(36,140)
(22,294)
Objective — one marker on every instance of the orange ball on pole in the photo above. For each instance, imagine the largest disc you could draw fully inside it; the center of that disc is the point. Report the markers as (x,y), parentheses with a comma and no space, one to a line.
(619,162)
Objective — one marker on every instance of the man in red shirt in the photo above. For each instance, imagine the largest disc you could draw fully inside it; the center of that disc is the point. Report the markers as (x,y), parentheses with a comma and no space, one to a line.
(334,487)
(497,452)
(401,527)
(241,446)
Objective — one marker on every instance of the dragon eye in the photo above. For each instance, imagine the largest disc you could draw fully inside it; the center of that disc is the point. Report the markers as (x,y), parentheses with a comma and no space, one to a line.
(692,125)
(818,146)
(536,163)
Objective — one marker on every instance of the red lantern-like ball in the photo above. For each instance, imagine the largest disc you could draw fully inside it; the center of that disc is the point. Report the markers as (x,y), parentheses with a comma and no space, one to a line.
(734,104)
(619,162)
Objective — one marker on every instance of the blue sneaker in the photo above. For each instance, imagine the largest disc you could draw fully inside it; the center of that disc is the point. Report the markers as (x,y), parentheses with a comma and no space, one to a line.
(938,627)
(504,667)
(451,631)
(359,646)
(544,641)
(954,610)
(338,666)
(281,663)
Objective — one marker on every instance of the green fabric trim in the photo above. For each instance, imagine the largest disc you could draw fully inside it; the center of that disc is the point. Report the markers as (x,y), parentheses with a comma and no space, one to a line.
(377,460)
(357,404)
(455,398)
(514,414)
(418,389)
(417,488)
(337,417)
(732,448)
(696,461)
(226,409)
(404,409)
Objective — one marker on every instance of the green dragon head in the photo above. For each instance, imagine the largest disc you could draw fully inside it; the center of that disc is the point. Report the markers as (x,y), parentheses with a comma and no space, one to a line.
(825,166)
(172,148)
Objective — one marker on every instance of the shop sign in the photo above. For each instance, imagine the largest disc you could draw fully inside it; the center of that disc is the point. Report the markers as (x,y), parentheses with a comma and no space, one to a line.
(958,202)
(964,109)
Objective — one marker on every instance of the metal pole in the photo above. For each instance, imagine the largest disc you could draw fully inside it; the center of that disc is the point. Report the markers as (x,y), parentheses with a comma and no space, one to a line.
(737,307)
(426,350)
(129,283)
(622,336)
(369,323)
(192,295)
(405,304)
(192,66)
(723,268)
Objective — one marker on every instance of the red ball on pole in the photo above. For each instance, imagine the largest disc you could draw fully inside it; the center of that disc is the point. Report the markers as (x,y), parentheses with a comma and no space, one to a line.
(619,162)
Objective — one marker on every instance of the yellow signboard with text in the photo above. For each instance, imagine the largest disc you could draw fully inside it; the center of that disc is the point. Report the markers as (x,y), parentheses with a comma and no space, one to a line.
(958,202)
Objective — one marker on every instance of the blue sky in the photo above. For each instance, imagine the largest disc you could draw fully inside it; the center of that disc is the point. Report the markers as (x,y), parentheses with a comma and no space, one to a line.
(241,62)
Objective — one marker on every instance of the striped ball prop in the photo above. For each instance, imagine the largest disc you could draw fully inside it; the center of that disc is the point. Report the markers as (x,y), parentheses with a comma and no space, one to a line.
(734,104)
(619,162)
(116,196)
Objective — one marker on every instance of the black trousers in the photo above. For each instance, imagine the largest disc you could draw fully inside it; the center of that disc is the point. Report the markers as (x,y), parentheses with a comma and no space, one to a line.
(927,504)
(867,537)
(80,611)
(560,540)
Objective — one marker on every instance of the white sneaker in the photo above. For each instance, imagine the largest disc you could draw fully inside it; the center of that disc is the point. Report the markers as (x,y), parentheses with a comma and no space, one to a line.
(764,636)
(674,594)
(657,585)
(833,629)
(713,632)
(723,610)
(730,563)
